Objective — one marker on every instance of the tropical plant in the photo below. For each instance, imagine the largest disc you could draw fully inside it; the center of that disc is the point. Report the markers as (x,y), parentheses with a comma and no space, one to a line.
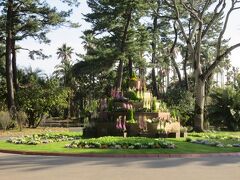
(63,71)
(224,109)
(65,53)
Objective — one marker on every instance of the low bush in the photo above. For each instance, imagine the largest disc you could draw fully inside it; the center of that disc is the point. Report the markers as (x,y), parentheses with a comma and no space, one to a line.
(5,120)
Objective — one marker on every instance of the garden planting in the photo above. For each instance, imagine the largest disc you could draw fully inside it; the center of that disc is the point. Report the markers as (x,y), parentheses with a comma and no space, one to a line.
(217,140)
(121,143)
(42,139)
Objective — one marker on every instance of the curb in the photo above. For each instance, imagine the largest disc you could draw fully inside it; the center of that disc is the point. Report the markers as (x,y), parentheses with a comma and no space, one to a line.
(123,155)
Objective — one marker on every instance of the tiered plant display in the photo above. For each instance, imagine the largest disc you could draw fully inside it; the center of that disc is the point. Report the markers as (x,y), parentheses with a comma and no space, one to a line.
(135,113)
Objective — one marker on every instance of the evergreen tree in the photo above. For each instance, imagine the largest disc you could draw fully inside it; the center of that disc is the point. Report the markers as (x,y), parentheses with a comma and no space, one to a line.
(116,20)
(26,19)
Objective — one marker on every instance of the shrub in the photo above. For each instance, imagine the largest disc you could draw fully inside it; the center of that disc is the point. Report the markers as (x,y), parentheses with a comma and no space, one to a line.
(21,118)
(224,109)
(182,102)
(5,120)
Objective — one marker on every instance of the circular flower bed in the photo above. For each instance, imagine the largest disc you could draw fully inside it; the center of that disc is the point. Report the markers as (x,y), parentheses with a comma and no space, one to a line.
(121,143)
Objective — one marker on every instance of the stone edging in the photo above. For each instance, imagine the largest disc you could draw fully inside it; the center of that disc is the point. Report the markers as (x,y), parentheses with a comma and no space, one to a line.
(123,155)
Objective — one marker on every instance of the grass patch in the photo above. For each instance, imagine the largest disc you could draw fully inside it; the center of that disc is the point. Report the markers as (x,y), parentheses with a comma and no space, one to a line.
(182,147)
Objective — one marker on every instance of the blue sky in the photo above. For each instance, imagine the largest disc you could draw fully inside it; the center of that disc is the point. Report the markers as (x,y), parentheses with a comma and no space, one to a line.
(72,38)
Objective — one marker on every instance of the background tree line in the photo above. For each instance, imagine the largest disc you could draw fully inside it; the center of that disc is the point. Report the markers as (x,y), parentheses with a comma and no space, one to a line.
(177,46)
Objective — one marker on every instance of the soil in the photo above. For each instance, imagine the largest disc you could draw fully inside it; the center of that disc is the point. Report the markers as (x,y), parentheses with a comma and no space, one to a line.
(30,131)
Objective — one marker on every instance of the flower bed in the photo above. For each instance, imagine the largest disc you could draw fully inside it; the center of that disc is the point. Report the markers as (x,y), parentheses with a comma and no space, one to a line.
(216,136)
(42,139)
(216,140)
(121,143)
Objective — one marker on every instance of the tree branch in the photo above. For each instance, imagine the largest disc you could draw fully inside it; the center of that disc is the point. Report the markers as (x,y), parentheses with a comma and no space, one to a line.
(218,59)
(172,54)
(192,11)
(215,16)
(219,44)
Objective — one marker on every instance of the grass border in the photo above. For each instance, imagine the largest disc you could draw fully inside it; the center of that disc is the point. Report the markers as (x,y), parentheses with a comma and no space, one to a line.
(93,153)
(202,155)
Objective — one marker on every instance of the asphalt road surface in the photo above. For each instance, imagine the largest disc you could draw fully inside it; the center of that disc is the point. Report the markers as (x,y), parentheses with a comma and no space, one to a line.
(22,167)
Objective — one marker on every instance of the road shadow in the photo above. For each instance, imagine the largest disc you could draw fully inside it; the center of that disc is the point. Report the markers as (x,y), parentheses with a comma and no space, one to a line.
(35,163)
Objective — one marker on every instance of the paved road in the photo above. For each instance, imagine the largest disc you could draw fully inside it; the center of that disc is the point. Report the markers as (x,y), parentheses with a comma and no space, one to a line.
(20,167)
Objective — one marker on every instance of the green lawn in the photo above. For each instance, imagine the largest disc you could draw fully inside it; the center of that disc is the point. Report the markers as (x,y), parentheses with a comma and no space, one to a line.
(182,148)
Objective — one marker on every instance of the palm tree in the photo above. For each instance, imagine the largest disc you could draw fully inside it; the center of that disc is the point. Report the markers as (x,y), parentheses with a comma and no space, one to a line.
(63,70)
(64,73)
(65,53)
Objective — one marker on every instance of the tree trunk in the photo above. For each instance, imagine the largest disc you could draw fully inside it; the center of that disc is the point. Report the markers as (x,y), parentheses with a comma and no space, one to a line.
(177,70)
(120,66)
(14,65)
(155,89)
(9,72)
(69,104)
(154,84)
(130,67)
(173,54)
(199,84)
(185,71)
(199,105)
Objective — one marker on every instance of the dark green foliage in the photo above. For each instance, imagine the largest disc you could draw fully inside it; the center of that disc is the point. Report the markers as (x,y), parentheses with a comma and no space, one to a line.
(34,18)
(131,95)
(224,110)
(39,96)
(116,29)
(181,102)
